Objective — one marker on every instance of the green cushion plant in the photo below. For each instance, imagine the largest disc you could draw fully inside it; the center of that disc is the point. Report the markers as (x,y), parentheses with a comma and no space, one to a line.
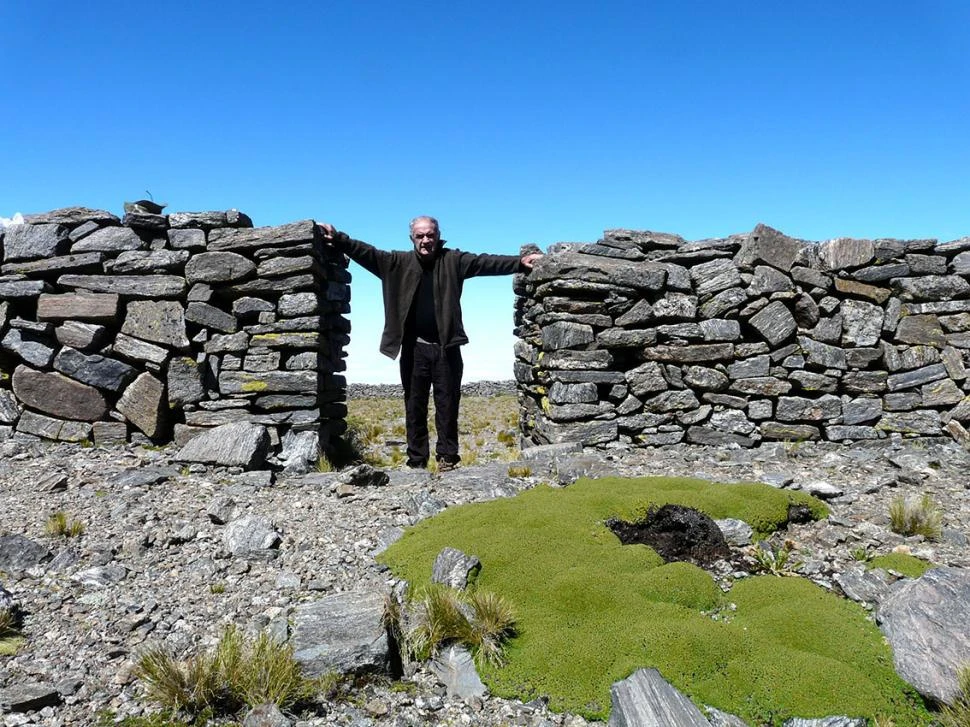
(590,611)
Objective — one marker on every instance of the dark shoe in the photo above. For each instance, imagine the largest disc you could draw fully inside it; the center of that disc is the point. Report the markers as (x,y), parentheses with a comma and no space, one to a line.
(445,465)
(417,464)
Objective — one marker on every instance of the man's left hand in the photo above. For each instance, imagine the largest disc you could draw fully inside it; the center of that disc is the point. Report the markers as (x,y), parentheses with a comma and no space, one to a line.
(529,260)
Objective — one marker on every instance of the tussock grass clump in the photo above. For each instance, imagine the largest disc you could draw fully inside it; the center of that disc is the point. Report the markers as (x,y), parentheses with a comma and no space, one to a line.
(60,526)
(916,517)
(9,633)
(518,471)
(237,673)
(958,713)
(480,620)
(601,610)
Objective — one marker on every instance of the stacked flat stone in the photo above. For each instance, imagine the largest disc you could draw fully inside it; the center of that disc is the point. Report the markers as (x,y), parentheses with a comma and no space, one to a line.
(644,338)
(161,326)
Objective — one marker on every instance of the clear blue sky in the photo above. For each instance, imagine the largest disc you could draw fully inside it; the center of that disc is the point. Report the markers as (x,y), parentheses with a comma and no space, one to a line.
(511,122)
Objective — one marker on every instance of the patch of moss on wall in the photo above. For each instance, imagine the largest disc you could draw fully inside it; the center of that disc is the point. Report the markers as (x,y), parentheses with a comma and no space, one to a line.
(591,611)
(908,565)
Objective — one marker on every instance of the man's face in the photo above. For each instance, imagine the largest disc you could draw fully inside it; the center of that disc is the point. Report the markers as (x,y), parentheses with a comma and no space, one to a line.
(425,237)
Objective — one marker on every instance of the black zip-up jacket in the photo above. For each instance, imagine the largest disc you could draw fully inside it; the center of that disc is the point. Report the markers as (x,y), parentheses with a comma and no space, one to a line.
(400,273)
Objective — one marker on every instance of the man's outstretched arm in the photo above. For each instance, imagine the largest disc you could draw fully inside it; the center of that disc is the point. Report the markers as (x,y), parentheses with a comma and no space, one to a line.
(365,255)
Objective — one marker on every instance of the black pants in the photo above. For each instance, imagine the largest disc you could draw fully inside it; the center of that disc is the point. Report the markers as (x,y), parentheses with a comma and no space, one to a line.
(425,366)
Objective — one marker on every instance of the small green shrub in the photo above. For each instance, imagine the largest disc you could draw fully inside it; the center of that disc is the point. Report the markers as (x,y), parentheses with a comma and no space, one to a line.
(776,561)
(908,565)
(916,517)
(507,437)
(60,526)
(217,588)
(861,554)
(958,713)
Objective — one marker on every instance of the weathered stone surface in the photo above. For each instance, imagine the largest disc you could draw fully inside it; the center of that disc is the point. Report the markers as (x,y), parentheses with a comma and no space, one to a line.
(920,329)
(861,410)
(187,239)
(560,393)
(160,321)
(916,377)
(75,334)
(588,433)
(769,246)
(19,553)
(200,220)
(865,382)
(94,369)
(229,343)
(911,422)
(210,317)
(50,428)
(109,239)
(723,303)
(840,433)
(9,408)
(768,280)
(931,287)
(797,408)
(142,403)
(861,323)
(566,335)
(671,401)
(58,395)
(851,287)
(83,263)
(845,253)
(775,323)
(29,348)
(231,445)
(77,306)
(941,393)
(147,261)
(251,536)
(705,378)
(28,697)
(624,338)
(455,569)
(135,286)
(592,270)
(184,382)
(720,329)
(276,266)
(72,217)
(242,382)
(925,622)
(793,432)
(15,288)
(676,306)
(455,668)
(714,277)
(761,385)
(716,438)
(879,273)
(691,353)
(260,237)
(821,354)
(645,698)
(343,632)
(34,242)
(137,350)
(218,267)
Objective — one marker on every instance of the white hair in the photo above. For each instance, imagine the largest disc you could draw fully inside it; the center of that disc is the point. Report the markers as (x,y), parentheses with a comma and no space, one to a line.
(424,218)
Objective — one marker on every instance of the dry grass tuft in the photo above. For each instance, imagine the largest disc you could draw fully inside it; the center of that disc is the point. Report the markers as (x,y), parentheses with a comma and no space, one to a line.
(916,517)
(958,713)
(60,526)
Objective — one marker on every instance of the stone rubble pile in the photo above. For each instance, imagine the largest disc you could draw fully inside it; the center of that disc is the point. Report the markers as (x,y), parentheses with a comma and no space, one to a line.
(162,326)
(643,338)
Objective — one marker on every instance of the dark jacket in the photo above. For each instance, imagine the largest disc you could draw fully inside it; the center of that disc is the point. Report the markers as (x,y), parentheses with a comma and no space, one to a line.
(400,273)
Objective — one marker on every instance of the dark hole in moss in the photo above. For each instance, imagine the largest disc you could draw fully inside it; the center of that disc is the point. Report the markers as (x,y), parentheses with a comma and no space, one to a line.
(799,514)
(677,533)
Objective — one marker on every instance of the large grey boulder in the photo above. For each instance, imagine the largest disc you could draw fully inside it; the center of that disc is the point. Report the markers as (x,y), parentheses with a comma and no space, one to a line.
(34,242)
(645,699)
(58,395)
(238,444)
(925,621)
(343,632)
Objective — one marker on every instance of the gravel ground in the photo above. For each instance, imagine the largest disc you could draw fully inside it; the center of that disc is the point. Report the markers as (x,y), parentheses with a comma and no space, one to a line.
(151,565)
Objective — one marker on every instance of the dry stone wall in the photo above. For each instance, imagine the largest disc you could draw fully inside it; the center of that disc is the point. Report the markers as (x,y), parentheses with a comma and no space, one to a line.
(644,338)
(161,326)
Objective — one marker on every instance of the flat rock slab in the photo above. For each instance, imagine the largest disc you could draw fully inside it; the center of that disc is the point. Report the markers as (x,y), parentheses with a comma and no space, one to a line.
(925,621)
(20,553)
(251,535)
(645,699)
(454,568)
(28,697)
(343,633)
(239,444)
(455,668)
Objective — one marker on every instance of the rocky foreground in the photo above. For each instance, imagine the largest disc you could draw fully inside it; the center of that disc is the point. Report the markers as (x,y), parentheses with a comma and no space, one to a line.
(160,558)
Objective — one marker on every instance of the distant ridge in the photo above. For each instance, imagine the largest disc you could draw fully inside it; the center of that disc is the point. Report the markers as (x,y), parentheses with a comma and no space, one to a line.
(394,391)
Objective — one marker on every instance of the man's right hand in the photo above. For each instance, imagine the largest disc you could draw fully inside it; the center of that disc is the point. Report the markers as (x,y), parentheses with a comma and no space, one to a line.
(327,231)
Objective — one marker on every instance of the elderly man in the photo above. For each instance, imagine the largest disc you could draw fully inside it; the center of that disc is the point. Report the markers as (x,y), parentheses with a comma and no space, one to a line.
(422,321)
